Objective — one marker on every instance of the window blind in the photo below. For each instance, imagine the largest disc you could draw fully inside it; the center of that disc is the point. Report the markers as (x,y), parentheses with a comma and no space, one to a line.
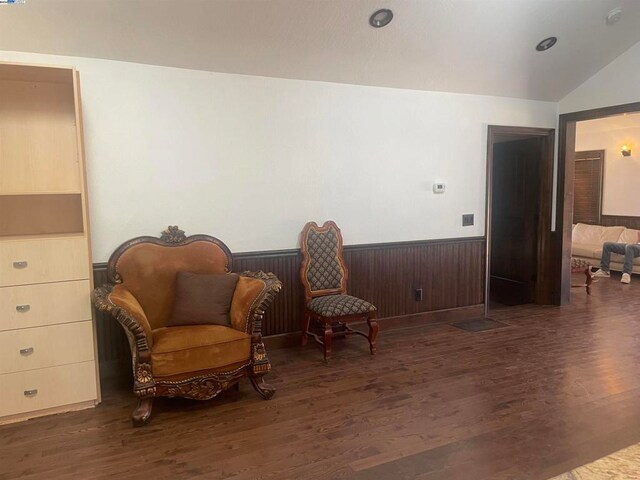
(587,193)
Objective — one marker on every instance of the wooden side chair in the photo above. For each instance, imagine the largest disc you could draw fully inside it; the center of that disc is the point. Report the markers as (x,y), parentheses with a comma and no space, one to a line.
(324,276)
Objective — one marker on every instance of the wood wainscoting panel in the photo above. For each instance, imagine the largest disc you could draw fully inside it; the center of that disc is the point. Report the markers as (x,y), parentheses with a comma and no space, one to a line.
(287,305)
(114,354)
(621,220)
(450,273)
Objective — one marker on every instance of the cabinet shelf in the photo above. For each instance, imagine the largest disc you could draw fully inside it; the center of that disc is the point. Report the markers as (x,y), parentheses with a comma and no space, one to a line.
(23,193)
(46,214)
(40,236)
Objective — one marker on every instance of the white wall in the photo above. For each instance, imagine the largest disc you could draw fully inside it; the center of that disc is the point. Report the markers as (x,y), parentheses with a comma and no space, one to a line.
(616,84)
(620,194)
(251,159)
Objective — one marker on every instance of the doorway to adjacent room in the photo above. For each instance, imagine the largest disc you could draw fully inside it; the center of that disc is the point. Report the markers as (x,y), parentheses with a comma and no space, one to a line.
(573,200)
(518,216)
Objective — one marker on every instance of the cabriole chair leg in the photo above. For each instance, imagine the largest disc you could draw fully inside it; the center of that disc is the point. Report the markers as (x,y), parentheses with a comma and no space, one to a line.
(265,390)
(142,413)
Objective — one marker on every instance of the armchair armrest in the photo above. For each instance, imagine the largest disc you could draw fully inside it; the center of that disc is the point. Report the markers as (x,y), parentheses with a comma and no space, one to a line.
(254,293)
(125,308)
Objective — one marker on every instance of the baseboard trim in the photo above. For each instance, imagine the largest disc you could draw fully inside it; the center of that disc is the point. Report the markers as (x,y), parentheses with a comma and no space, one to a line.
(450,315)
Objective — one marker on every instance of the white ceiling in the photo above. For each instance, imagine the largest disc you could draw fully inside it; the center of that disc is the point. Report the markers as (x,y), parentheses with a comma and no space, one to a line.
(468,46)
(616,122)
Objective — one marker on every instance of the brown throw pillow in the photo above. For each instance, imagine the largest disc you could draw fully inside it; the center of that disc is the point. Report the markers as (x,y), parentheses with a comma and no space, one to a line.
(203,299)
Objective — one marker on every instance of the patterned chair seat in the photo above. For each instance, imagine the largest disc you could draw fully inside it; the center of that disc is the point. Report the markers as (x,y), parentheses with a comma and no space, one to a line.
(578,264)
(339,305)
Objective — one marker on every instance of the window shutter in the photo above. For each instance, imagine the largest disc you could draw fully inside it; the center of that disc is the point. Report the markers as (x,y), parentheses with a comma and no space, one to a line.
(587,193)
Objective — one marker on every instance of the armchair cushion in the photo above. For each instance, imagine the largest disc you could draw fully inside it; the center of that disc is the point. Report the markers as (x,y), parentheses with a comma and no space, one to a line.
(339,305)
(179,350)
(203,299)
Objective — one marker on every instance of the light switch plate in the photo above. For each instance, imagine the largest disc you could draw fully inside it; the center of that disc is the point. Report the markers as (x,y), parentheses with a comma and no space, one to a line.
(467,219)
(439,187)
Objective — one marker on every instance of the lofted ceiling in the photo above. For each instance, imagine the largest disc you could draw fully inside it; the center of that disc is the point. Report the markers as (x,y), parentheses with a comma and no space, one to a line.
(615,122)
(466,46)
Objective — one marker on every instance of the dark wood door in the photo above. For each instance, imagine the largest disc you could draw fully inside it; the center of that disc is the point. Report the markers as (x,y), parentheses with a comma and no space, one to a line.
(514,221)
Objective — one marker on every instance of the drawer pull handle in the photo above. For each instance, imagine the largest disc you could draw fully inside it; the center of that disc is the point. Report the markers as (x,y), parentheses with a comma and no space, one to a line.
(23,308)
(26,351)
(31,393)
(19,265)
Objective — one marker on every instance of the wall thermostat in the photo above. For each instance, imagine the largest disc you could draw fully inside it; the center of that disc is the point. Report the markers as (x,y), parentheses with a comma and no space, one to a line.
(439,187)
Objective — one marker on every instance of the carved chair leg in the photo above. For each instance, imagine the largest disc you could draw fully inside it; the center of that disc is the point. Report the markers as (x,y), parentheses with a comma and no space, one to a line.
(306,320)
(373,333)
(142,412)
(589,280)
(328,337)
(266,391)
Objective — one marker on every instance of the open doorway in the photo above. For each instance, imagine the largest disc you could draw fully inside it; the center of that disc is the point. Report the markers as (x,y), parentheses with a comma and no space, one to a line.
(518,213)
(574,202)
(606,200)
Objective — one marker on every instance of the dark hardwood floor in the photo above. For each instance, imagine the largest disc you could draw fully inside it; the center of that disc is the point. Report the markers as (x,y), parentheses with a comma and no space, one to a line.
(558,388)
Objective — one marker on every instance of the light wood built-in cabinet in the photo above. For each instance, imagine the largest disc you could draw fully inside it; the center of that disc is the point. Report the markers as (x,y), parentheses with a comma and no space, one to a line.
(47,334)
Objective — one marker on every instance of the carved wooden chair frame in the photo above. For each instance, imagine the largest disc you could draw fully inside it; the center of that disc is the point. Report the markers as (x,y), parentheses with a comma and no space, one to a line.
(329,324)
(203,386)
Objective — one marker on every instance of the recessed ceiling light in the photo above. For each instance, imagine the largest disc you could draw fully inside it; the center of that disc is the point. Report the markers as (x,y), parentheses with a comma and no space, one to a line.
(614,16)
(546,44)
(381,18)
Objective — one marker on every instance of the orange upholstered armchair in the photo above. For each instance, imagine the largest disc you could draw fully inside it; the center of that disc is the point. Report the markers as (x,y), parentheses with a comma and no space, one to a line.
(193,361)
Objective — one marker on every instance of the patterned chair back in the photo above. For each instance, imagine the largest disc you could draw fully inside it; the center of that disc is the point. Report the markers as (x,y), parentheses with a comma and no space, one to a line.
(323,271)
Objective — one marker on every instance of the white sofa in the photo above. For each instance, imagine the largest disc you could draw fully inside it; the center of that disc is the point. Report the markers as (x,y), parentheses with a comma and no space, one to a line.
(587,241)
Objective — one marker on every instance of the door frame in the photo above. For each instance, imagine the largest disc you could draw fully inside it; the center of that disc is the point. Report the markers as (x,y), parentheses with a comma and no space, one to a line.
(564,202)
(544,283)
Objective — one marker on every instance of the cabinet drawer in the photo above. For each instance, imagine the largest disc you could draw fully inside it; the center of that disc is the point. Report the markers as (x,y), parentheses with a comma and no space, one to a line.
(33,348)
(44,304)
(47,388)
(27,261)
